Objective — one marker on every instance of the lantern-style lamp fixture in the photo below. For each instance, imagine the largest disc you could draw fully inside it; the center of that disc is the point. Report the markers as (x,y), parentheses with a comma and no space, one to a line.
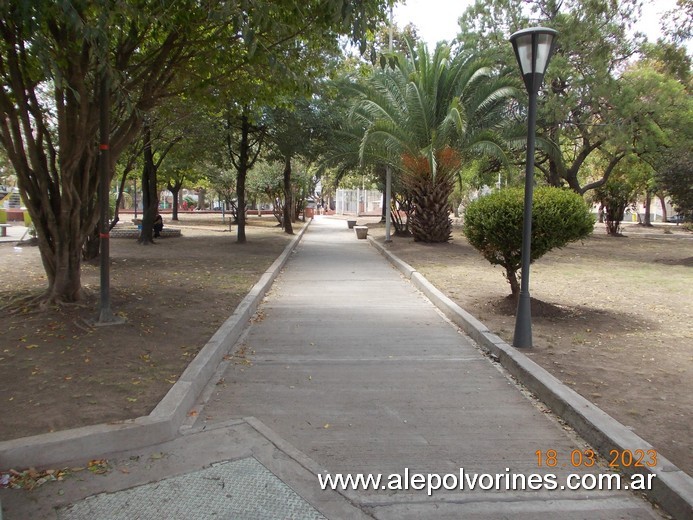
(533,49)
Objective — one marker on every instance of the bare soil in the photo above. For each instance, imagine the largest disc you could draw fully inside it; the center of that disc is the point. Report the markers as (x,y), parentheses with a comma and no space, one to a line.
(613,320)
(58,371)
(611,317)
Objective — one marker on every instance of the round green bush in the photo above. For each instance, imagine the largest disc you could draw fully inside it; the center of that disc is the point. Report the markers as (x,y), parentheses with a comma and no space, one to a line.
(493,225)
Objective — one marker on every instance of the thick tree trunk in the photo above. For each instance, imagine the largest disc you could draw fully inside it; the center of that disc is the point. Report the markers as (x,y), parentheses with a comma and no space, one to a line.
(430,192)
(150,199)
(431,219)
(61,257)
(288,197)
(60,220)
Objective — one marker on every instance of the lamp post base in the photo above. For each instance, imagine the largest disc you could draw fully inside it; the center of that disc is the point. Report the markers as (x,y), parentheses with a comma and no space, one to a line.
(523,322)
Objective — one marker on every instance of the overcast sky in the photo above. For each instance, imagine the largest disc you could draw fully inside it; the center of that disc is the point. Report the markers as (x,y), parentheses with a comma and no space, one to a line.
(437,19)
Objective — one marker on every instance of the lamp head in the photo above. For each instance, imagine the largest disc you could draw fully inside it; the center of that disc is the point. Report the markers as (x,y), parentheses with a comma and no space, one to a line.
(533,49)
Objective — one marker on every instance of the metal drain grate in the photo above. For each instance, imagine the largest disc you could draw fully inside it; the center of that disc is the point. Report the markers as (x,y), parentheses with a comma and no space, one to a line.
(242,490)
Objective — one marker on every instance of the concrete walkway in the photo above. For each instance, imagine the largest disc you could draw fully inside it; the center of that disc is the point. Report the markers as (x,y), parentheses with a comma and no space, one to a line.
(346,368)
(355,368)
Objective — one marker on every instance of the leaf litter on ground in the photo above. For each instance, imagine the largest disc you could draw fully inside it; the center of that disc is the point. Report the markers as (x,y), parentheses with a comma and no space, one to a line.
(32,478)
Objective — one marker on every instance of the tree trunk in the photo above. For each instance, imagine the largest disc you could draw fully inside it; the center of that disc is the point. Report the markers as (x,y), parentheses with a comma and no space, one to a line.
(648,202)
(61,257)
(120,203)
(92,244)
(288,197)
(511,276)
(175,191)
(150,199)
(201,195)
(613,218)
(553,174)
(240,210)
(431,219)
(664,207)
(243,158)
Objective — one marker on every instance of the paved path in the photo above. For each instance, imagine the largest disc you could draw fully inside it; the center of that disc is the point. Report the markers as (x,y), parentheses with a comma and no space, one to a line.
(355,368)
(345,369)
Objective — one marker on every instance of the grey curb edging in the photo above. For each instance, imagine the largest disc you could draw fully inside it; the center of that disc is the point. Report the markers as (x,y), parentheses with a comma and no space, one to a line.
(308,464)
(672,487)
(163,422)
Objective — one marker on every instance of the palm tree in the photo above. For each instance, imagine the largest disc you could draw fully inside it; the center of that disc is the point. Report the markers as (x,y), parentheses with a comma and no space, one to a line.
(423,116)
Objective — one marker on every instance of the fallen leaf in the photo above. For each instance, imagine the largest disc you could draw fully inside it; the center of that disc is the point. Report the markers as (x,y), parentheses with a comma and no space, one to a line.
(98,466)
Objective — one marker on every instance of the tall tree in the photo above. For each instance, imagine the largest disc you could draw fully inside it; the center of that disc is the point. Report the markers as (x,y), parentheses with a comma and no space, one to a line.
(291,55)
(423,115)
(53,52)
(581,88)
(243,154)
(51,56)
(291,131)
(675,176)
(658,111)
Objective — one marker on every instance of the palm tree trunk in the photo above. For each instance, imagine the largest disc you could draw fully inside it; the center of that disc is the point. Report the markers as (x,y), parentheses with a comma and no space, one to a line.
(431,217)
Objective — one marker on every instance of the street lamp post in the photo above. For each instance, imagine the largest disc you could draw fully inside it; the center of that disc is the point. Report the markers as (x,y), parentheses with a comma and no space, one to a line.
(533,48)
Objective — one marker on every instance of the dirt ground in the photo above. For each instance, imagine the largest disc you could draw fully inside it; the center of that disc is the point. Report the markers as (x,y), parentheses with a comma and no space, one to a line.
(615,323)
(58,372)
(614,320)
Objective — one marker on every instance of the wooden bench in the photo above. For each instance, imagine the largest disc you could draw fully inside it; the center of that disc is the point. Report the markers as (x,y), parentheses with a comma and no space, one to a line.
(3,229)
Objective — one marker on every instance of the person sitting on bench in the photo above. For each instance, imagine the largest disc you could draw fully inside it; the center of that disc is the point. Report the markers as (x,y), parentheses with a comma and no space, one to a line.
(158,226)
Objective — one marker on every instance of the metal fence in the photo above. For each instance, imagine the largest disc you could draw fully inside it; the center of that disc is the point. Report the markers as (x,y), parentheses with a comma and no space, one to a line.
(358,202)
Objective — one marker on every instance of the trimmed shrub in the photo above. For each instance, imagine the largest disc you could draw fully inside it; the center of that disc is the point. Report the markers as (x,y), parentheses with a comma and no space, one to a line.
(493,225)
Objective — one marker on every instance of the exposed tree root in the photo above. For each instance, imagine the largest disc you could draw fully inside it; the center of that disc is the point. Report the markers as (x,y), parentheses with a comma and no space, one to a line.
(40,302)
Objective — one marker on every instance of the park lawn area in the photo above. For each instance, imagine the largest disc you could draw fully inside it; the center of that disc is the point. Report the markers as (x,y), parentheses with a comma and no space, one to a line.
(57,371)
(613,320)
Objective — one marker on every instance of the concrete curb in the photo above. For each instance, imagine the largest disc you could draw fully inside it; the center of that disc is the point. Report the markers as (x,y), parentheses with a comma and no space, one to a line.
(163,423)
(351,497)
(167,232)
(672,488)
